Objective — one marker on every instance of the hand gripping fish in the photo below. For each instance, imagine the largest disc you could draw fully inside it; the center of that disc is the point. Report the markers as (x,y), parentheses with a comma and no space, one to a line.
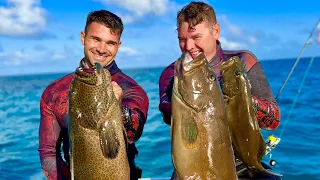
(248,143)
(201,144)
(97,136)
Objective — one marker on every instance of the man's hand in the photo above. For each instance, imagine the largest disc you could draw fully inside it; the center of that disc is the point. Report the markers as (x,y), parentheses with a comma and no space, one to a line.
(117,90)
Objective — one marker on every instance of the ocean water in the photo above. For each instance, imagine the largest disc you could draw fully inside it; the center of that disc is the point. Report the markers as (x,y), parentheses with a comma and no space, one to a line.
(297,155)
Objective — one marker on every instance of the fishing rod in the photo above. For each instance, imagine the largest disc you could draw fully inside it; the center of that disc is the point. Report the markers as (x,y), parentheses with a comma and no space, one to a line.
(298,59)
(273,140)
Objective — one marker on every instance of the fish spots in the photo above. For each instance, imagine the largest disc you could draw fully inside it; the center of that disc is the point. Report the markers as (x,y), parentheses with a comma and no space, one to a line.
(97,139)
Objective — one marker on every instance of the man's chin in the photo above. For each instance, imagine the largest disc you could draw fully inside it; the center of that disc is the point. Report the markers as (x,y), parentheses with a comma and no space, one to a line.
(103,62)
(93,62)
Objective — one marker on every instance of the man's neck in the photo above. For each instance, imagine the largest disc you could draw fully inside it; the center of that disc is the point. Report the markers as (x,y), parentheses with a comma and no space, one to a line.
(217,58)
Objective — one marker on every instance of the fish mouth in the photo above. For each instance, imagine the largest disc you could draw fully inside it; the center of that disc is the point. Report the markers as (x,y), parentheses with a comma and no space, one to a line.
(189,64)
(97,68)
(90,76)
(234,62)
(226,65)
(190,67)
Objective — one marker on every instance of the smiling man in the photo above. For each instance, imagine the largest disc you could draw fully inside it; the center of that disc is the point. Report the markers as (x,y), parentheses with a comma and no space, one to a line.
(198,32)
(101,40)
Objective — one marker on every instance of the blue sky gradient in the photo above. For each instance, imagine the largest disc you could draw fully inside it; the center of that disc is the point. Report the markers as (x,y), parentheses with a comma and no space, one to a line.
(44,36)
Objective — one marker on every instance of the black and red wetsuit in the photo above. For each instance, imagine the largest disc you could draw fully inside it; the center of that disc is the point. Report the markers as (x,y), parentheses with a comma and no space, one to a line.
(268,113)
(53,130)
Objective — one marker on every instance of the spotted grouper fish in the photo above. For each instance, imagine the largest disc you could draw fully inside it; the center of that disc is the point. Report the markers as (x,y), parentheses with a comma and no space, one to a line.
(201,143)
(97,137)
(248,143)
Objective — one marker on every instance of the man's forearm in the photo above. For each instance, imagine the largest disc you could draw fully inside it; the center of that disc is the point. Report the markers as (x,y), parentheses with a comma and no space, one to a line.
(134,112)
(133,121)
(268,114)
(54,168)
(165,109)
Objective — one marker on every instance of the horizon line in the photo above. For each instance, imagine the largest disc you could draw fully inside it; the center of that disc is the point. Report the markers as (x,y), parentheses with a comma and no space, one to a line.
(134,68)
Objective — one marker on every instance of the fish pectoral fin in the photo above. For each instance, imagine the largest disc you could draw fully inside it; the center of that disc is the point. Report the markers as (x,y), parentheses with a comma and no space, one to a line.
(189,130)
(109,141)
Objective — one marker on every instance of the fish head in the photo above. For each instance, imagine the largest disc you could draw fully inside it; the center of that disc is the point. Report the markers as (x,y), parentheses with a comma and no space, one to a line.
(90,92)
(197,80)
(91,81)
(232,73)
(94,76)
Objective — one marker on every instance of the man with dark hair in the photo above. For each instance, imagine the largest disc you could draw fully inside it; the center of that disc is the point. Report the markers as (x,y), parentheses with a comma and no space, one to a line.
(101,40)
(198,32)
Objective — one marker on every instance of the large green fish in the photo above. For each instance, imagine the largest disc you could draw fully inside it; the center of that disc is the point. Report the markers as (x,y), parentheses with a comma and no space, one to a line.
(201,144)
(97,136)
(248,143)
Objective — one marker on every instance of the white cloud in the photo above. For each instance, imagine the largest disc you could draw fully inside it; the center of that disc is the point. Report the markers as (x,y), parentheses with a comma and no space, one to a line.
(15,58)
(68,52)
(143,7)
(230,44)
(58,56)
(157,7)
(235,30)
(22,17)
(252,39)
(238,34)
(127,51)
(29,57)
(126,18)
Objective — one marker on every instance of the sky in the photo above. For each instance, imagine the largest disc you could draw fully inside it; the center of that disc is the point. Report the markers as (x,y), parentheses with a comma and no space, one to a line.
(43,36)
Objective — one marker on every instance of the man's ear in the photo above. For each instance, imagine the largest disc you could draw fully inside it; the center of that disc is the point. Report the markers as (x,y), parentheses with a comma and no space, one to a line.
(119,44)
(216,30)
(82,36)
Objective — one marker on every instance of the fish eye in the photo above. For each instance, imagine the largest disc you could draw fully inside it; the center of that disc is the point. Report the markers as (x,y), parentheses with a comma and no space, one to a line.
(212,77)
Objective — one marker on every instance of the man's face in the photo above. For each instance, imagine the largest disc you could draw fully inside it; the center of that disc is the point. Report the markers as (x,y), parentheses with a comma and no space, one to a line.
(199,39)
(100,45)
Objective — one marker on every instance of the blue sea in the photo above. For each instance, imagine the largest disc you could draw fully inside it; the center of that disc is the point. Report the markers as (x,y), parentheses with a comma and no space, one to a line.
(297,155)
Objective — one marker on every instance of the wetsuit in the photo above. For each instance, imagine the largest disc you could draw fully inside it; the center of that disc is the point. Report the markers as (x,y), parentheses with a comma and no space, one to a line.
(53,130)
(267,109)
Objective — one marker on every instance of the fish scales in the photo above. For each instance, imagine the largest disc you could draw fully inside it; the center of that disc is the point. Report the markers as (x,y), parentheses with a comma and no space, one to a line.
(201,144)
(97,136)
(248,143)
